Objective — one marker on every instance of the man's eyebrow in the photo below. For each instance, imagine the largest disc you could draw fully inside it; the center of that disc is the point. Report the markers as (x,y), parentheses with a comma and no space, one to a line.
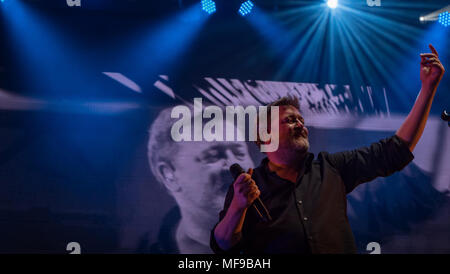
(298,115)
(295,115)
(210,148)
(224,146)
(221,147)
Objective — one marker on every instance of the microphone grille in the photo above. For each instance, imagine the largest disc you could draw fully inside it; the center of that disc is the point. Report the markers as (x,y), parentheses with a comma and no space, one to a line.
(236,170)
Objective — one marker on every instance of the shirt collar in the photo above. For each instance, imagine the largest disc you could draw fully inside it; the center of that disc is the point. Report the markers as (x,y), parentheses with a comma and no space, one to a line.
(306,166)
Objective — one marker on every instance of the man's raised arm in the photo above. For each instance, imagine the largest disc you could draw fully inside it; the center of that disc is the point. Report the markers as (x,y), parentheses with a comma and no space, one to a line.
(431,73)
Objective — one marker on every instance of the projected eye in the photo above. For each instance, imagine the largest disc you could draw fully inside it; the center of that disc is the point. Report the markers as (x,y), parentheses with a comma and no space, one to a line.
(211,156)
(239,152)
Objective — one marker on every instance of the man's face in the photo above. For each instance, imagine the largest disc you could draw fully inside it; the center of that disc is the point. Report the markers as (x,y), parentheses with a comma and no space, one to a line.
(202,171)
(293,135)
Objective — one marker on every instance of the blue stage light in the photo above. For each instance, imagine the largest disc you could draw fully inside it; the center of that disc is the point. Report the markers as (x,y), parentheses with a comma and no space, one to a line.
(209,6)
(246,8)
(444,18)
(332,3)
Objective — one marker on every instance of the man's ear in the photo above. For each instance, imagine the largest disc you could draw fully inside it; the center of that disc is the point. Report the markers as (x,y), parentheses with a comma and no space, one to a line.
(167,174)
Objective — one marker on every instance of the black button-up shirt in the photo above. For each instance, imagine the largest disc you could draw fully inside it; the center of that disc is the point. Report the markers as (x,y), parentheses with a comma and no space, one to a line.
(310,216)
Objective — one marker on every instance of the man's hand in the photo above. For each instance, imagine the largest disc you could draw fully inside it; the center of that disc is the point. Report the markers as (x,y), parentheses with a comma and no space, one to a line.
(245,190)
(431,69)
(431,73)
(228,232)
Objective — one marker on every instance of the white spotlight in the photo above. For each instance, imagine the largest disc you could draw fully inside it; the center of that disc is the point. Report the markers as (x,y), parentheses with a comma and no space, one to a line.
(332,3)
(421,18)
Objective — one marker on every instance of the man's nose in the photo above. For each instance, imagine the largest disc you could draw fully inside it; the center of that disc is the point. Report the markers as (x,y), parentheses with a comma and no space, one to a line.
(299,124)
(229,158)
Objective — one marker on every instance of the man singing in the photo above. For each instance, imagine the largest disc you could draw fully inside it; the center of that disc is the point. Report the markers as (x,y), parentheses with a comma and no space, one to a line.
(306,197)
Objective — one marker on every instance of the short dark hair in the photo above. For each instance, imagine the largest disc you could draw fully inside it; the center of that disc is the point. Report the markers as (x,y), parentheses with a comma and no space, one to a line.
(283,101)
(286,101)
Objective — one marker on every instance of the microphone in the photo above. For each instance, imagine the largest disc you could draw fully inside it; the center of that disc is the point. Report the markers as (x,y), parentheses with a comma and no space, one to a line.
(237,170)
(446,117)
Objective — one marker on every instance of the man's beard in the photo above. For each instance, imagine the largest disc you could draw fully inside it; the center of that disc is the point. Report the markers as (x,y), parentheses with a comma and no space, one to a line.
(300,145)
(300,142)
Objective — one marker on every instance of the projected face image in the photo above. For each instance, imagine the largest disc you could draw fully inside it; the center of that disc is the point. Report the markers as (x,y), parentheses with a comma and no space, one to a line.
(195,173)
(203,169)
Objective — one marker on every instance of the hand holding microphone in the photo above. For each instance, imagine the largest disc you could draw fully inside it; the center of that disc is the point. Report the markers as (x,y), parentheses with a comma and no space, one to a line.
(246,192)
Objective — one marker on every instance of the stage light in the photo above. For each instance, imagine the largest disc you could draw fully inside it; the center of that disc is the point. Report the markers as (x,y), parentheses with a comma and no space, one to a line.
(332,3)
(421,18)
(209,6)
(246,8)
(444,18)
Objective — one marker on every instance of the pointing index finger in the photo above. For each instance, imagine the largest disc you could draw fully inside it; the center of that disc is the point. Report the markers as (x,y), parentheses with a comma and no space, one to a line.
(433,50)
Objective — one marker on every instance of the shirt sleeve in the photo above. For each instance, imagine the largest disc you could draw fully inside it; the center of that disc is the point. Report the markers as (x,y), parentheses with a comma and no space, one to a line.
(364,164)
(213,243)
